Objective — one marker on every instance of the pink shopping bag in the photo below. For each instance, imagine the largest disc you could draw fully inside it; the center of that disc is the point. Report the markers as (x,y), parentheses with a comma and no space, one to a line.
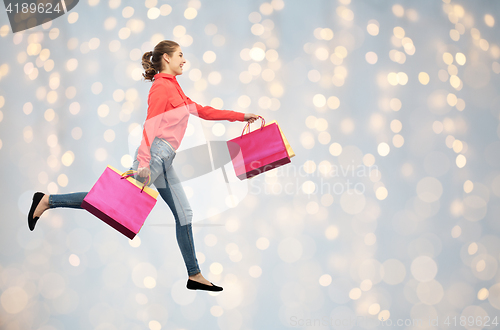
(258,151)
(120,201)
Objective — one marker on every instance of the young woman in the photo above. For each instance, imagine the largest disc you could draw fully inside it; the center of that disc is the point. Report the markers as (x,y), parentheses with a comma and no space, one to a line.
(164,127)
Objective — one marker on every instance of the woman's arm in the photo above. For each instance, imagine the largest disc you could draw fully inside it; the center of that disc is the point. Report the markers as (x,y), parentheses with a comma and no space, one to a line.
(210,113)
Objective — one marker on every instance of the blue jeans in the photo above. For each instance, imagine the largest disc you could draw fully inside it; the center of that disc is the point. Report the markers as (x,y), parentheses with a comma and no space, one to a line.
(170,189)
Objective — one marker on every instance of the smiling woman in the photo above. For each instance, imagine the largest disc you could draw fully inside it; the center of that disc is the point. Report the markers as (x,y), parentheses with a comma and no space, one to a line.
(166,122)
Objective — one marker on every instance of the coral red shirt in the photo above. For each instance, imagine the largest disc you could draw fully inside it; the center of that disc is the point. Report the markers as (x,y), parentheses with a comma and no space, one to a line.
(168,114)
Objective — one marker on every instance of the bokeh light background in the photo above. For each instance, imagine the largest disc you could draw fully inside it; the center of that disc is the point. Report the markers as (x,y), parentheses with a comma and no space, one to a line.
(407,88)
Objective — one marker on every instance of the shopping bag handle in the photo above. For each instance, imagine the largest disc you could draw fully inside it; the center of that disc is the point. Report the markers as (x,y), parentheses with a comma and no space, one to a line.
(263,122)
(131,172)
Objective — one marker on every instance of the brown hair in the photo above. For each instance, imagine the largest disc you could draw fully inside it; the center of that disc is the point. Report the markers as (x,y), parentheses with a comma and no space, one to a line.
(153,65)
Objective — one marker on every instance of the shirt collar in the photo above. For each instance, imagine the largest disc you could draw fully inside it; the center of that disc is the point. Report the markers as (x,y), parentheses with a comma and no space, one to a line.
(164,75)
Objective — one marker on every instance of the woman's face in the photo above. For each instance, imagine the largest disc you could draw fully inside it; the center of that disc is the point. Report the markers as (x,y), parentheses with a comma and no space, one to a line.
(175,62)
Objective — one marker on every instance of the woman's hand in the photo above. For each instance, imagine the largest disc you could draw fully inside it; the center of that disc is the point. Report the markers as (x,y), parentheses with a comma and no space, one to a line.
(250,117)
(143,172)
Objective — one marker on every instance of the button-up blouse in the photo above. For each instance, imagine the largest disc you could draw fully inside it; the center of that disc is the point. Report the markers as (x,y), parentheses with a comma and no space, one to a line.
(168,114)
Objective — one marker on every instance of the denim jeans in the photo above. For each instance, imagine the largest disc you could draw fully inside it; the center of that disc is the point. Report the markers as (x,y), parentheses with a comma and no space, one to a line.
(167,183)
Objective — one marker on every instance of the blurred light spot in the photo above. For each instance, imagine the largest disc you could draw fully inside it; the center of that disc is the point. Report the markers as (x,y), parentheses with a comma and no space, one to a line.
(321,53)
(136,242)
(257,54)
(210,240)
(373,27)
(127,12)
(396,126)
(72,17)
(370,238)
(454,35)
(308,187)
(456,231)
(374,309)
(52,186)
(332,232)
(254,17)
(217,103)
(290,249)
(244,101)
(314,75)
(398,140)
(341,51)
(49,115)
(335,149)
(149,282)
(355,293)
(352,201)
(216,311)
(110,23)
(257,29)
(448,58)
(153,13)
(165,10)
(460,58)
(398,10)
(62,180)
(399,32)
(381,193)
(266,8)
(345,13)
(461,161)
(424,269)
(76,133)
(325,280)
(483,294)
(472,249)
(43,178)
(72,64)
(333,102)
(154,325)
(489,20)
(101,154)
(216,268)
(423,77)
(319,100)
(262,243)
(429,189)
(67,158)
(255,271)
(371,57)
(347,126)
(209,56)
(109,135)
(14,300)
(430,293)
(190,13)
(74,260)
(103,110)
(96,88)
(214,78)
(28,134)
(383,149)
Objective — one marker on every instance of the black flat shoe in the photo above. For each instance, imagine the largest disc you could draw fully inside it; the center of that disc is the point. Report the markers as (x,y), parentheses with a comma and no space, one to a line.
(193,285)
(37,197)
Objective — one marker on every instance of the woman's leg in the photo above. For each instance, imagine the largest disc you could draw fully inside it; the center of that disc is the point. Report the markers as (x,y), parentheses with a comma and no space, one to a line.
(72,200)
(172,192)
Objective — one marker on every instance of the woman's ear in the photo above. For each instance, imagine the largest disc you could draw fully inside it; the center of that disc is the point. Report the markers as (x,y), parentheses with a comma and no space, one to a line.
(165,57)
